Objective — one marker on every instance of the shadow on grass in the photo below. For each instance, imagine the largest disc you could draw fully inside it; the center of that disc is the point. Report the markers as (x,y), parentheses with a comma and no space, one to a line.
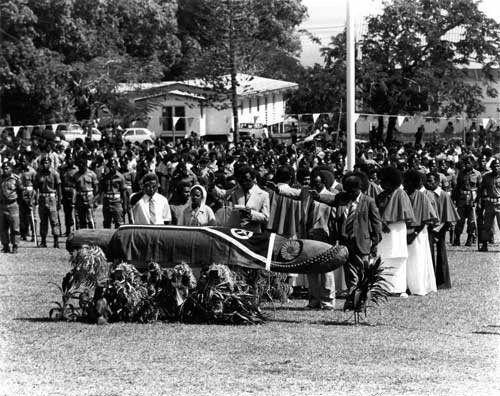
(486,332)
(323,322)
(36,320)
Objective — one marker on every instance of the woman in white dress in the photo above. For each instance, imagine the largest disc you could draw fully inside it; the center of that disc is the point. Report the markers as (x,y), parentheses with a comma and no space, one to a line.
(396,212)
(420,276)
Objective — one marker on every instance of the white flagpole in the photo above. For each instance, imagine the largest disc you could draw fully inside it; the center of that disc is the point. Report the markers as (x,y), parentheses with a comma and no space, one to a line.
(350,89)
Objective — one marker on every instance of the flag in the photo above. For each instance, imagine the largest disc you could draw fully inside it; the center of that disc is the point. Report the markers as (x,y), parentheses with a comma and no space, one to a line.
(486,121)
(401,119)
(175,120)
(315,116)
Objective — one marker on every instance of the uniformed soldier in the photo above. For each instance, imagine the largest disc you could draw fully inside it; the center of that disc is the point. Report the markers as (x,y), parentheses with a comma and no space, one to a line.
(489,204)
(114,195)
(67,173)
(26,200)
(48,191)
(10,190)
(86,186)
(464,195)
(129,176)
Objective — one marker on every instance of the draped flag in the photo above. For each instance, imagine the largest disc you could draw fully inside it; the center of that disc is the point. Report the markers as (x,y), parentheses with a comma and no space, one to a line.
(315,116)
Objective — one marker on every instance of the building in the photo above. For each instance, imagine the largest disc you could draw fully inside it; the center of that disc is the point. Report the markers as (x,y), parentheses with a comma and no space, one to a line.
(177,108)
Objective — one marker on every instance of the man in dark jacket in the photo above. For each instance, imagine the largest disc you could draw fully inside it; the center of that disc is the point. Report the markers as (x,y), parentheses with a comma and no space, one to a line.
(356,224)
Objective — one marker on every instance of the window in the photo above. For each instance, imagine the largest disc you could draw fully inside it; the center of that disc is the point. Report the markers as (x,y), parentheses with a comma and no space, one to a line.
(249,105)
(168,114)
(258,104)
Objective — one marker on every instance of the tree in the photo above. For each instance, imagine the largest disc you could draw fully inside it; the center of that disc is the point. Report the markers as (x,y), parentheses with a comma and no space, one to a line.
(236,36)
(414,59)
(59,57)
(416,54)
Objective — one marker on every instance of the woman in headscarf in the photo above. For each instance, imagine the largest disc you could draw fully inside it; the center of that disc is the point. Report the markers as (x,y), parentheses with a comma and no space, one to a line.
(396,212)
(197,213)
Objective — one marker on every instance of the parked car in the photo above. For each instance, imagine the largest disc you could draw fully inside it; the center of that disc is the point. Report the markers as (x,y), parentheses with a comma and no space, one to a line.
(70,132)
(96,135)
(138,135)
(257,130)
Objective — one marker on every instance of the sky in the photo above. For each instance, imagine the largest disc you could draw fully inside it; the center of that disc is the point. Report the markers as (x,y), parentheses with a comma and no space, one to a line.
(327,18)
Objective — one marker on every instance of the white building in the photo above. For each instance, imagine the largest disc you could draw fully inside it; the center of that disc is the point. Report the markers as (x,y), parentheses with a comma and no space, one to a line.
(177,108)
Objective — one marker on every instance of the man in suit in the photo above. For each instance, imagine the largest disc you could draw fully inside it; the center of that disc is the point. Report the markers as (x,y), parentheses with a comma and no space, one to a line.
(357,224)
(250,202)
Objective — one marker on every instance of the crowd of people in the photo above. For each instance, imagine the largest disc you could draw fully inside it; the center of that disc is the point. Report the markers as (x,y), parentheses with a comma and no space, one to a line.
(403,201)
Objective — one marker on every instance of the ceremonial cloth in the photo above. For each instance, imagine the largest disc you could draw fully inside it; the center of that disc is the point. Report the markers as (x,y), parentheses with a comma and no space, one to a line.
(395,206)
(198,246)
(422,208)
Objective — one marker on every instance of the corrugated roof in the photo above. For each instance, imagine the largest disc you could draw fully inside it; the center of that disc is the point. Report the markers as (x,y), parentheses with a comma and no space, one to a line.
(247,85)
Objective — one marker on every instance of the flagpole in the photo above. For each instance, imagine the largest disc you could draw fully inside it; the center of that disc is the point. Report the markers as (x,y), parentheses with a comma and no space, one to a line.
(350,89)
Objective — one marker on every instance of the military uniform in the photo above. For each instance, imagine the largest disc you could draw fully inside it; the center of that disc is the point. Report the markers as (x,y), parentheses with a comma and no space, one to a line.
(489,207)
(48,188)
(10,190)
(68,194)
(26,201)
(113,191)
(464,195)
(86,186)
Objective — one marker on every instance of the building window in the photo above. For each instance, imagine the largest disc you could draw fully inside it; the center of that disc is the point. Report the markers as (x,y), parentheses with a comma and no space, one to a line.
(249,105)
(258,104)
(168,114)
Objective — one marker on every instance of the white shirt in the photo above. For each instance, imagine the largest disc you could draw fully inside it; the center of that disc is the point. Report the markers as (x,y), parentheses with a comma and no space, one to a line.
(142,214)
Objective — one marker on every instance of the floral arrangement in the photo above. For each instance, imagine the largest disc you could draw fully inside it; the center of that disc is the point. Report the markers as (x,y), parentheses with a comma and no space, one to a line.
(108,293)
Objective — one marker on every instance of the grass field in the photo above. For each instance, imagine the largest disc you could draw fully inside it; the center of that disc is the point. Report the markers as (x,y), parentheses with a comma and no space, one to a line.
(442,344)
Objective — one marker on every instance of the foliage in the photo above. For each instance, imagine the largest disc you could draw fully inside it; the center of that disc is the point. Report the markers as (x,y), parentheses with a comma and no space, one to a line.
(58,57)
(124,294)
(265,285)
(418,52)
(370,287)
(224,38)
(66,310)
(220,299)
(414,58)
(89,266)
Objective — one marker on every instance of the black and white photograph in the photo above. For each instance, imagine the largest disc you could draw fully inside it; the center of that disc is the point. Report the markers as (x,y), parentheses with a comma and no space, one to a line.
(249,197)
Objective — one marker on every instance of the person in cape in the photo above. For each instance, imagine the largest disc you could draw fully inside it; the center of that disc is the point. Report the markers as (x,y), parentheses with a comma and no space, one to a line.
(420,276)
(396,212)
(447,215)
(197,213)
(313,223)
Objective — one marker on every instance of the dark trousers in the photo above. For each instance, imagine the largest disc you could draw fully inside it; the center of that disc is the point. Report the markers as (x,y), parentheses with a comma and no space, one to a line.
(466,213)
(9,224)
(85,215)
(486,216)
(354,262)
(47,210)
(68,208)
(437,241)
(112,213)
(25,218)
